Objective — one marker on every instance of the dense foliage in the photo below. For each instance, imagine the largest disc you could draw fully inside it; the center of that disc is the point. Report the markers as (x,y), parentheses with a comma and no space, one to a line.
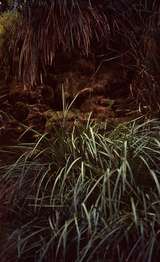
(88,195)
(84,189)
(127,30)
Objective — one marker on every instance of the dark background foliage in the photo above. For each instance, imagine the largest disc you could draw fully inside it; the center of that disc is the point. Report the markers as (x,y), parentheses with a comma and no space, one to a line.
(49,32)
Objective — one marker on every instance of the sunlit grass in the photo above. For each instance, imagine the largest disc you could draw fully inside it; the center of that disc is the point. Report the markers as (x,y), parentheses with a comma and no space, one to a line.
(86,195)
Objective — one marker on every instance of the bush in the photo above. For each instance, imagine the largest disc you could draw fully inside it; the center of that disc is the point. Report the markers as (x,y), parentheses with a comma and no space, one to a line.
(52,29)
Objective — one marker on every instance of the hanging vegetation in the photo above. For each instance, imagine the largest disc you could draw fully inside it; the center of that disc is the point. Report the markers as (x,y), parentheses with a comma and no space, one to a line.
(58,26)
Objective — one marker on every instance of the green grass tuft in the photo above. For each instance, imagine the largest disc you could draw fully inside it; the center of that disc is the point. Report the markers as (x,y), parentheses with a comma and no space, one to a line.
(86,195)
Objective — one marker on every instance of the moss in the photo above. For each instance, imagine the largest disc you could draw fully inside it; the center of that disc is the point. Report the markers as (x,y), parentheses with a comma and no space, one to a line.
(121,131)
(64,119)
(8,31)
(8,21)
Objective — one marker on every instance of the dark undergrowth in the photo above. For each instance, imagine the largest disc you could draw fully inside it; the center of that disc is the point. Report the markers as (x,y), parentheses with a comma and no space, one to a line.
(77,188)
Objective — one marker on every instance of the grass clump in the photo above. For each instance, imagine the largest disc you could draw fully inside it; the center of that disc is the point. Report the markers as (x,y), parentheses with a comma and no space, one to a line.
(88,195)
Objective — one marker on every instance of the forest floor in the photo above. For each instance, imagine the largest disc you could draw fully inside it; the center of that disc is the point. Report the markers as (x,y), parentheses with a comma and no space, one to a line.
(78,90)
